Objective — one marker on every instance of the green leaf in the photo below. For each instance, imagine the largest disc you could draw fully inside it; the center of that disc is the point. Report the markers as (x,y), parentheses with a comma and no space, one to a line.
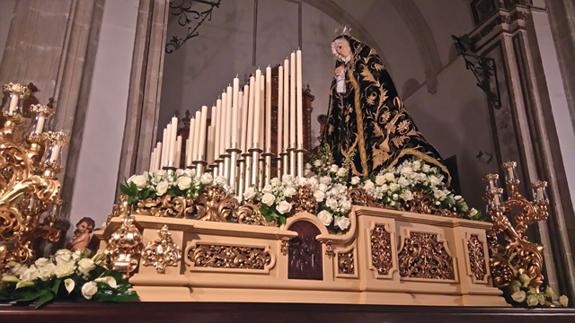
(124,189)
(45,297)
(56,285)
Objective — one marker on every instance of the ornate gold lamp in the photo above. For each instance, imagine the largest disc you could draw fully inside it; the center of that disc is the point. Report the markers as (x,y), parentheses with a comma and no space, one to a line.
(511,251)
(29,163)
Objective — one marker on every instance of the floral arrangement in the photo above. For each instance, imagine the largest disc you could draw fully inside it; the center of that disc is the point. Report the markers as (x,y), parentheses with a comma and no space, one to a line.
(167,182)
(64,275)
(520,294)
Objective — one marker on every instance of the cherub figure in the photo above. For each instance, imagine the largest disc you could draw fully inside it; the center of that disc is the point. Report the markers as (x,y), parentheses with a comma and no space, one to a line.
(82,234)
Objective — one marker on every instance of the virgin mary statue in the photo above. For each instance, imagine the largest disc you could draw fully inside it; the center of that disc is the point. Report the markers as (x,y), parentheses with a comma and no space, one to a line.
(368,126)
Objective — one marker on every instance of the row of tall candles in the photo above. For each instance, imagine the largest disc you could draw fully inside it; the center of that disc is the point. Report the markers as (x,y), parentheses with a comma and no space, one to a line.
(237,142)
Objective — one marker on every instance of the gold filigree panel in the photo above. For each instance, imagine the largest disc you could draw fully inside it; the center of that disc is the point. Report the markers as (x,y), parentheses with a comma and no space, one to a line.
(162,252)
(346,263)
(381,249)
(220,256)
(476,258)
(424,256)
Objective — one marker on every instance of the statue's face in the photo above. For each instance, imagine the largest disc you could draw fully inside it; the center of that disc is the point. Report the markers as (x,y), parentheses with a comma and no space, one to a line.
(342,48)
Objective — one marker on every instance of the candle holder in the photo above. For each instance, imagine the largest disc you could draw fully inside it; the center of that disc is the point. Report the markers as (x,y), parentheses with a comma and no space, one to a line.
(285,162)
(254,170)
(29,188)
(233,152)
(292,161)
(199,167)
(300,153)
(511,251)
(267,169)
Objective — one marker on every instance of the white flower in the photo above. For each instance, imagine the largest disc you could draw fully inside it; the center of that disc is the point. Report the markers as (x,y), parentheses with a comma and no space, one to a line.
(64,269)
(389,177)
(268,199)
(41,262)
(403,181)
(532,300)
(317,163)
(283,207)
(325,180)
(355,180)
(406,171)
(322,187)
(250,193)
(69,284)
(86,265)
(395,196)
(63,256)
(162,188)
(331,203)
(439,195)
(109,280)
(289,191)
(275,181)
(519,296)
(406,195)
(325,217)
(564,300)
(16,268)
(393,187)
(368,186)
(334,168)
(76,255)
(416,165)
(380,180)
(206,178)
(342,222)
(89,289)
(221,181)
(346,205)
(319,195)
(139,180)
(434,180)
(426,168)
(342,172)
(184,183)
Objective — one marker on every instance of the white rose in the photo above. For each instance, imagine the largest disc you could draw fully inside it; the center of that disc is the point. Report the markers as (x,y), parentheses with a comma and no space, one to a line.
(221,181)
(393,187)
(322,187)
(184,183)
(406,171)
(426,168)
(403,181)
(89,289)
(342,172)
(250,193)
(319,195)
(283,207)
(275,181)
(334,169)
(29,274)
(86,265)
(342,222)
(379,180)
(206,178)
(406,196)
(41,262)
(355,180)
(346,205)
(289,191)
(109,280)
(47,271)
(139,180)
(162,188)
(69,284)
(368,186)
(434,180)
(325,180)
(331,203)
(63,256)
(64,269)
(389,177)
(16,268)
(317,163)
(268,199)
(325,217)
(416,165)
(395,196)
(76,255)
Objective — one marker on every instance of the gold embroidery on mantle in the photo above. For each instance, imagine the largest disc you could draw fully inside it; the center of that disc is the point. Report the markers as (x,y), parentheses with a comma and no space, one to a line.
(345,263)
(424,256)
(381,253)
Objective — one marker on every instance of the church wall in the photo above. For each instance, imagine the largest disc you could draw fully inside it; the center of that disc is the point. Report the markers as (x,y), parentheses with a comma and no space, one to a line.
(95,182)
(6,14)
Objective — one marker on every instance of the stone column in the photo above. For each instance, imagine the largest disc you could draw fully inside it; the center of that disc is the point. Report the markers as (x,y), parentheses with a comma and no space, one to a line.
(524,127)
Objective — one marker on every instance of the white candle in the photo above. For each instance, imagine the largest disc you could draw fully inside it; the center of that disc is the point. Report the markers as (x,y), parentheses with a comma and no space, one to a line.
(173,129)
(262,112)
(257,110)
(240,114)
(40,124)
(292,98)
(165,148)
(190,144)
(158,155)
(152,158)
(217,129)
(203,133)
(268,123)
(178,154)
(13,103)
(236,112)
(197,130)
(286,115)
(245,115)
(55,153)
(299,100)
(229,115)
(251,113)
(210,152)
(223,120)
(280,110)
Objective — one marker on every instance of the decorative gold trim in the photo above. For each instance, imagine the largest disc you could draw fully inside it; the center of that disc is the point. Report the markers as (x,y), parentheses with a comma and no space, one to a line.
(124,246)
(424,256)
(381,249)
(476,258)
(346,262)
(213,255)
(162,252)
(359,116)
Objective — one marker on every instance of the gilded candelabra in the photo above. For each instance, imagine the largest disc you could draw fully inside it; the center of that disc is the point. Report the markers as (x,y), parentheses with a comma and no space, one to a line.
(511,251)
(29,162)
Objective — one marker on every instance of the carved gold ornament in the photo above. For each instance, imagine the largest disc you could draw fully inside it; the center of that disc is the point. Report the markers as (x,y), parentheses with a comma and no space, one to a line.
(476,253)
(381,253)
(29,189)
(345,263)
(165,206)
(424,256)
(303,200)
(510,250)
(124,247)
(228,256)
(162,252)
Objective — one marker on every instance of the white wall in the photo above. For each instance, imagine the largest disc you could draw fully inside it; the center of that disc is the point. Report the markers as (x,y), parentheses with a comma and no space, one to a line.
(95,184)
